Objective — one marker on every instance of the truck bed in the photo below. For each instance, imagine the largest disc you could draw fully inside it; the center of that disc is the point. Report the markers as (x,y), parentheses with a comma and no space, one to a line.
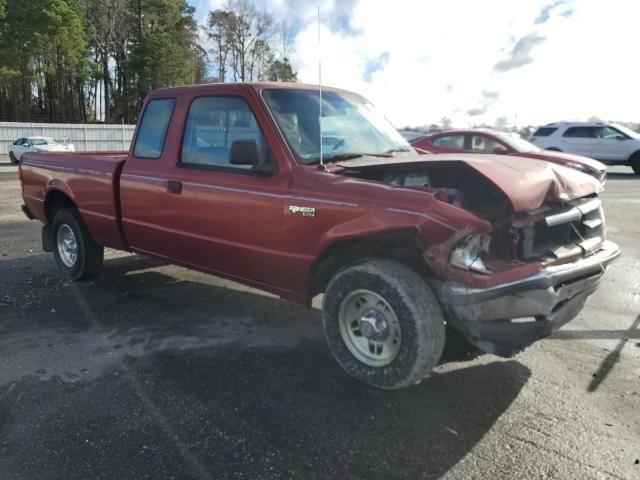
(90,179)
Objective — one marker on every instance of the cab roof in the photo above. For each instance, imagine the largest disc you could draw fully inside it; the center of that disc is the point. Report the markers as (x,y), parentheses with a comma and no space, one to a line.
(211,88)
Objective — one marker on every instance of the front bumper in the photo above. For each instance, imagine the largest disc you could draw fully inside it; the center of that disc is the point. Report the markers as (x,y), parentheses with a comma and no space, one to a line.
(507,318)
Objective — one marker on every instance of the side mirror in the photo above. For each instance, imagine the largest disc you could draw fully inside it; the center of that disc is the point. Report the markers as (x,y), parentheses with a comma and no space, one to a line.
(25,144)
(245,152)
(500,150)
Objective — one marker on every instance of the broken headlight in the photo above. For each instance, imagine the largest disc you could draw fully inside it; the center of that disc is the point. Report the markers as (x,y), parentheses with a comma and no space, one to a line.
(466,254)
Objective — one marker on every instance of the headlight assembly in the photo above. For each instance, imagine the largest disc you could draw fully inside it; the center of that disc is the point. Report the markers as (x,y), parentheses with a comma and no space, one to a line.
(466,254)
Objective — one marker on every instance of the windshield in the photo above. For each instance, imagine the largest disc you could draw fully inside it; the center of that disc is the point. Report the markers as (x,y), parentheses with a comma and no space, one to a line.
(43,141)
(628,131)
(350,125)
(519,144)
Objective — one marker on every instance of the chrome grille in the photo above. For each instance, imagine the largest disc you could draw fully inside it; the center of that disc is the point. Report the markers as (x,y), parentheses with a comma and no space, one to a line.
(574,229)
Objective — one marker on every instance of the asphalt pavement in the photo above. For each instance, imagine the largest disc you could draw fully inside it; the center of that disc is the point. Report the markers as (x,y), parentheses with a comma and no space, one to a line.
(154,371)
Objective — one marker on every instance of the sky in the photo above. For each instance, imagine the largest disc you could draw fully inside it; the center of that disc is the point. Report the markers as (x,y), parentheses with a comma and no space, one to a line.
(524,62)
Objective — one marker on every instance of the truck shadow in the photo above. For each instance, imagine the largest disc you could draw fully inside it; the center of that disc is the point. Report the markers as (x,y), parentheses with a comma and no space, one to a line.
(131,293)
(186,379)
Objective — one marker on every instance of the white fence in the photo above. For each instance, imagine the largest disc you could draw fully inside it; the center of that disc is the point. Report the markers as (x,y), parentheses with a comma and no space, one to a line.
(83,137)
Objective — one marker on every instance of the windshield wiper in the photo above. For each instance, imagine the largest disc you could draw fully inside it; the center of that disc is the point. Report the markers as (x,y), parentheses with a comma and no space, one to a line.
(398,150)
(348,156)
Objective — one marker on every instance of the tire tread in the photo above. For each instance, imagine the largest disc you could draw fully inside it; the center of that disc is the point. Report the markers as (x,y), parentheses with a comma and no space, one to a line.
(425,329)
(90,254)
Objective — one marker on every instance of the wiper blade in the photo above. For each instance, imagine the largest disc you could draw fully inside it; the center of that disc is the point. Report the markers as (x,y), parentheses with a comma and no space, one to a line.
(398,150)
(349,156)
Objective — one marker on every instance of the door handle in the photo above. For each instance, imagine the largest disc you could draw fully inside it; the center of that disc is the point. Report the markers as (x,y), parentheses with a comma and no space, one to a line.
(174,187)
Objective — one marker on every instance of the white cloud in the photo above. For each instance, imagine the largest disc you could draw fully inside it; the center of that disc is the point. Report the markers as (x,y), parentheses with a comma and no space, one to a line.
(441,56)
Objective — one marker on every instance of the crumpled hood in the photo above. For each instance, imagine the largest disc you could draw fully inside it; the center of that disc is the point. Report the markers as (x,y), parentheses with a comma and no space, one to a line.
(527,182)
(588,162)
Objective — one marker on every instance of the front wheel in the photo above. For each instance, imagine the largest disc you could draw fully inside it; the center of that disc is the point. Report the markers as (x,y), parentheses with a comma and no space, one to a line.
(75,251)
(13,158)
(383,324)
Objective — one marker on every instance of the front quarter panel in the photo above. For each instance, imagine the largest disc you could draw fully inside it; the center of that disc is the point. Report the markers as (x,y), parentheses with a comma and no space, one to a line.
(366,209)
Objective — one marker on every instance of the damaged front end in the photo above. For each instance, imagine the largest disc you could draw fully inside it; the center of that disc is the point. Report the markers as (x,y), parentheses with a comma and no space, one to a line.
(531,271)
(567,246)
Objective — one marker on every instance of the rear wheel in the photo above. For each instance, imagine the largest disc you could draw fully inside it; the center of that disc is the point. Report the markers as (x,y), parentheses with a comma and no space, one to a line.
(75,251)
(383,324)
(13,158)
(635,163)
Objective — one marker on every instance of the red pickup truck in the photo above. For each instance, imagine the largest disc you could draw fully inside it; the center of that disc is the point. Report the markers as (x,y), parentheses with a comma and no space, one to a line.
(257,183)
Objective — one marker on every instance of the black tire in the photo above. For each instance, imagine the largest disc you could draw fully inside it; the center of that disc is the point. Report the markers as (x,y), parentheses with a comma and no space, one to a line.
(418,314)
(635,163)
(13,158)
(89,255)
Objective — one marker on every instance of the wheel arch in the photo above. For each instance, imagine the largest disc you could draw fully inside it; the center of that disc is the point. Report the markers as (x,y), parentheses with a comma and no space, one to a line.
(634,155)
(404,245)
(55,200)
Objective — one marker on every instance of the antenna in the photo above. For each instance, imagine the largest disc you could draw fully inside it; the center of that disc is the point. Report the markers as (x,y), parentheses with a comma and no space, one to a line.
(320,90)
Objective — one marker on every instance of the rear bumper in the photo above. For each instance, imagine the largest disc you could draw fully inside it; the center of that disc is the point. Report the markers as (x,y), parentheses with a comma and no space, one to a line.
(540,303)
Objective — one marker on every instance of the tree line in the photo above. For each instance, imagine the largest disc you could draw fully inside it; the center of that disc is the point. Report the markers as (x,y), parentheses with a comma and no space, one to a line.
(96,60)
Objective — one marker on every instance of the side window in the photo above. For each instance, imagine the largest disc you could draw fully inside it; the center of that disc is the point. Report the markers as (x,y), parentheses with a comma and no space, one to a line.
(213,124)
(19,141)
(153,128)
(609,133)
(450,141)
(580,132)
(482,143)
(544,131)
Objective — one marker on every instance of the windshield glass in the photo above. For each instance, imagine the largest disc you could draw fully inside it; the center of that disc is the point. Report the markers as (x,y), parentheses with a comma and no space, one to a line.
(43,141)
(350,125)
(519,144)
(628,131)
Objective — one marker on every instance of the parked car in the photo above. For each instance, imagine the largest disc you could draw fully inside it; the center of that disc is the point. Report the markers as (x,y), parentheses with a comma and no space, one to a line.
(493,142)
(36,144)
(228,179)
(610,143)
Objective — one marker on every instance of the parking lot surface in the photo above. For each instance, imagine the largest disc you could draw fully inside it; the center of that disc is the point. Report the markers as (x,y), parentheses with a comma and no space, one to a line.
(150,370)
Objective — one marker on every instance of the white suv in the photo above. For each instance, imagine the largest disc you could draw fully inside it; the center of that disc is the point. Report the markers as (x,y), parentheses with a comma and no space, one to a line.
(610,143)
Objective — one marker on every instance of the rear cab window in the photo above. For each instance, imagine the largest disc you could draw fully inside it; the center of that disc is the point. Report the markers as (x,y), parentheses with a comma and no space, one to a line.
(153,128)
(544,131)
